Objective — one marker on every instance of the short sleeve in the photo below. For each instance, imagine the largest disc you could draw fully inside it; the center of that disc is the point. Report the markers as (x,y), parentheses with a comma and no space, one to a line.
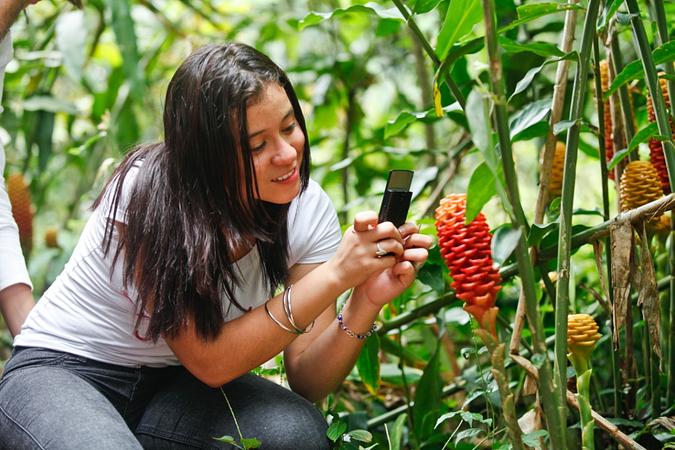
(118,212)
(313,228)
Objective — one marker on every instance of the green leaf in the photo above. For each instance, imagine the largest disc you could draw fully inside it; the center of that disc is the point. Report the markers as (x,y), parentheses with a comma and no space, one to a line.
(525,82)
(395,435)
(424,6)
(392,373)
(428,395)
(480,190)
(71,34)
(467,434)
(504,242)
(405,118)
(650,131)
(562,126)
(462,15)
(533,439)
(371,8)
(49,104)
(250,443)
(478,123)
(608,13)
(530,12)
(432,276)
(227,439)
(544,49)
(538,231)
(125,34)
(361,435)
(336,430)
(529,118)
(368,363)
(633,70)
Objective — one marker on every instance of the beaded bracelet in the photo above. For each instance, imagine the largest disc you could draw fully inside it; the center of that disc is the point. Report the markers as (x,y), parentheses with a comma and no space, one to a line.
(351,333)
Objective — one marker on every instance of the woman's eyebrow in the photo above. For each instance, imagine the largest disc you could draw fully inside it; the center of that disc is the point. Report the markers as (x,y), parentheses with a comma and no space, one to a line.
(286,116)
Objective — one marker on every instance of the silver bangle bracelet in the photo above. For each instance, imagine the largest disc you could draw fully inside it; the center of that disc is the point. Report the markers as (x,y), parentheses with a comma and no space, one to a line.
(277,321)
(288,309)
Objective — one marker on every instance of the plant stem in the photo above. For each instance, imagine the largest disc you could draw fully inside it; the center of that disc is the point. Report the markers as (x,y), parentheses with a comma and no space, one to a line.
(567,200)
(605,209)
(430,51)
(662,26)
(551,403)
(624,98)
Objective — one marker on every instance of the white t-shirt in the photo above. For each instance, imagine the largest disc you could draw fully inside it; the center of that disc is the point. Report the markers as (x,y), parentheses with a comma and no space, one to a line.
(88,312)
(12,265)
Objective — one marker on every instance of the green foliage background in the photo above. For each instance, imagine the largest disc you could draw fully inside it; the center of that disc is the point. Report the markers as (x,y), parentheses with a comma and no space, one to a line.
(85,86)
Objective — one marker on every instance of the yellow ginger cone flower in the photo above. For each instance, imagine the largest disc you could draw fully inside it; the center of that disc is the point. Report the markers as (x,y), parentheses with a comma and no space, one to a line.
(582,334)
(52,237)
(22,210)
(555,183)
(656,147)
(640,185)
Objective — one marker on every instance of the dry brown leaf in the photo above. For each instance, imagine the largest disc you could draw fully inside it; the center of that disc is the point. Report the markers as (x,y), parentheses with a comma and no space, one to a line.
(621,236)
(597,250)
(648,294)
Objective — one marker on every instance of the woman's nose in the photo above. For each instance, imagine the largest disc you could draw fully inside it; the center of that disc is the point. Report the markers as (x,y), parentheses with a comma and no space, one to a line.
(286,153)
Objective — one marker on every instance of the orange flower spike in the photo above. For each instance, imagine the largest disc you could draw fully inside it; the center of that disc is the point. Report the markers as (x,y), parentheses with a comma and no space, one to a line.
(555,184)
(22,209)
(656,155)
(607,114)
(466,251)
(640,184)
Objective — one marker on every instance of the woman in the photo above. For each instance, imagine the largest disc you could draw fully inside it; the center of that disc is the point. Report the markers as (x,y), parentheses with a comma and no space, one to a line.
(169,295)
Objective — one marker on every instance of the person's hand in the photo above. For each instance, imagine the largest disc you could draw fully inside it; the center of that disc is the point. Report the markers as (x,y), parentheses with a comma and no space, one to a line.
(367,248)
(382,287)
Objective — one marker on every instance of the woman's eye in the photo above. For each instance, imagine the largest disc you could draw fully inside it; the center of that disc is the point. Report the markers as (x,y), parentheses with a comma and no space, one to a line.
(289,129)
(258,147)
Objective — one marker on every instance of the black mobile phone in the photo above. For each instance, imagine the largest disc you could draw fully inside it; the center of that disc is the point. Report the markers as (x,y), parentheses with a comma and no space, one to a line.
(397,196)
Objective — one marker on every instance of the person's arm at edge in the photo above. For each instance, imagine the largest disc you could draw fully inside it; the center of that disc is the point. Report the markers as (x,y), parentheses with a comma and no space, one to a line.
(16,301)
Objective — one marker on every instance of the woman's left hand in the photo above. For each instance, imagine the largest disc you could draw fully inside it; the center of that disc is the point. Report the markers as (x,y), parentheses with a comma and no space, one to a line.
(384,286)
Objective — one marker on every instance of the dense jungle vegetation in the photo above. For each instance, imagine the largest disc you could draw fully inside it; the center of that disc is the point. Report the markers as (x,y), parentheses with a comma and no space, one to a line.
(553,117)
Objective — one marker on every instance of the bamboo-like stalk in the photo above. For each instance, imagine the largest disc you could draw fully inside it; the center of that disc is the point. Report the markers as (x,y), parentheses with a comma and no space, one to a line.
(605,207)
(662,26)
(567,200)
(525,268)
(644,51)
(624,100)
(430,51)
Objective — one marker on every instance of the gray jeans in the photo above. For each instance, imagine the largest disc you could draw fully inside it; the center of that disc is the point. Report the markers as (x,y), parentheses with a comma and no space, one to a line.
(60,401)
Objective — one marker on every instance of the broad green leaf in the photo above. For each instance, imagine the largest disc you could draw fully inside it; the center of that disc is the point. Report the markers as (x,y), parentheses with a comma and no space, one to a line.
(432,276)
(428,395)
(480,190)
(71,36)
(405,118)
(392,374)
(424,6)
(533,439)
(49,104)
(467,434)
(607,13)
(650,131)
(478,125)
(125,34)
(544,49)
(529,117)
(530,12)
(538,231)
(525,82)
(562,126)
(462,15)
(368,363)
(315,18)
(361,435)
(395,435)
(250,443)
(336,430)
(633,70)
(504,241)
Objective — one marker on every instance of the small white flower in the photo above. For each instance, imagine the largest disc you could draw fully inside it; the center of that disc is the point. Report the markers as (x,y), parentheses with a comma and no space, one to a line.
(347,438)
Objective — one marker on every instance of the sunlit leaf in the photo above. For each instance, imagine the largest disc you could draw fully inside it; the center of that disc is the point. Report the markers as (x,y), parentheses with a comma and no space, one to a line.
(544,49)
(336,430)
(71,34)
(524,121)
(480,190)
(368,363)
(371,8)
(424,6)
(462,15)
(125,34)
(525,82)
(395,434)
(633,70)
(50,104)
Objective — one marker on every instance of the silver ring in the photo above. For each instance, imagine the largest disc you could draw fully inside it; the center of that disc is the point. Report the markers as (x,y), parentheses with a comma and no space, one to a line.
(380,252)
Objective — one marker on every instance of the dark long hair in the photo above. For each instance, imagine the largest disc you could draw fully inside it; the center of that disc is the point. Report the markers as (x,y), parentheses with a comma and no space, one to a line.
(194,198)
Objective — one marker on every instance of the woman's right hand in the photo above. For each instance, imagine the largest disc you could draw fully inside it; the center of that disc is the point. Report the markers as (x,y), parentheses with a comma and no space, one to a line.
(356,259)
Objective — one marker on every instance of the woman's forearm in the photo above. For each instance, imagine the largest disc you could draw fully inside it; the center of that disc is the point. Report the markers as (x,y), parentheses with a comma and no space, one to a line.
(326,362)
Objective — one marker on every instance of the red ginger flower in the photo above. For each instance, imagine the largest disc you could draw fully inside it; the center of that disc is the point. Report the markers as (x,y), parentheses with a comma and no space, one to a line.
(656,155)
(466,251)
(607,114)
